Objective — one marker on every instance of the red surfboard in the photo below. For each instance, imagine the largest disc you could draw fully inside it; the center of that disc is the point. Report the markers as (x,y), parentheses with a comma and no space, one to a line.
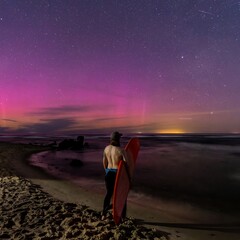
(122,183)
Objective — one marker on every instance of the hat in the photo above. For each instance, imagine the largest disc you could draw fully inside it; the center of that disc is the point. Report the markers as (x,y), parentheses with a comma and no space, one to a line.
(115,135)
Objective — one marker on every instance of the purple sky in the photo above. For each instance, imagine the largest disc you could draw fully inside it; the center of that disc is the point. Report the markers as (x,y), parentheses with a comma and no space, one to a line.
(135,66)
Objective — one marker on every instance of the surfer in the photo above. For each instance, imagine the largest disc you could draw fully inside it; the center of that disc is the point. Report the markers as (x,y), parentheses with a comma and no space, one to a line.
(112,155)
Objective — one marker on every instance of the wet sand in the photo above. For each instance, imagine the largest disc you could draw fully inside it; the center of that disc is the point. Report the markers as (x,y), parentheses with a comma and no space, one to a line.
(39,206)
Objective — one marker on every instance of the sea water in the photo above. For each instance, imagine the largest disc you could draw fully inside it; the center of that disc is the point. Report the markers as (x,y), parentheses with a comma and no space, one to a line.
(201,170)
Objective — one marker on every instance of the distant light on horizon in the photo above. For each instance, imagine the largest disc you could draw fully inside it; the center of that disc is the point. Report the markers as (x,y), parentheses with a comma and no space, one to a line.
(171,131)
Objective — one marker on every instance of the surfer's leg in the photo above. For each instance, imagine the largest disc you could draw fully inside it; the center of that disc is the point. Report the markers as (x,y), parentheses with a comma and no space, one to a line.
(109,181)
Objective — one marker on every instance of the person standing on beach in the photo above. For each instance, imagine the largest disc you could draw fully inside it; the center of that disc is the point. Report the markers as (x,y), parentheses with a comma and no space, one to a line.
(112,155)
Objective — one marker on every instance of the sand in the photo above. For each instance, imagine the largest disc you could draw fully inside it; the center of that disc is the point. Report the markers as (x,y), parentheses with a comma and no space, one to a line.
(35,205)
(27,212)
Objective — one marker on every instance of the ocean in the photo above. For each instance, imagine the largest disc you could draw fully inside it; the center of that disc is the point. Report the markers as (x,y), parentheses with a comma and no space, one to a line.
(200,170)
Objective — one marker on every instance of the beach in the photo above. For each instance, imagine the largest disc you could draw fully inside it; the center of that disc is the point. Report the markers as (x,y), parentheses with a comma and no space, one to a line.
(37,205)
(28,212)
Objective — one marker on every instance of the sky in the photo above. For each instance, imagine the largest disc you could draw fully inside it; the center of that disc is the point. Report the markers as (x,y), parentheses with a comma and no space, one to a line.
(94,66)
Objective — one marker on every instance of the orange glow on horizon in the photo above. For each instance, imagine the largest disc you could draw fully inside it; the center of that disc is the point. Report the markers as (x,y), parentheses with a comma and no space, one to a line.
(171,131)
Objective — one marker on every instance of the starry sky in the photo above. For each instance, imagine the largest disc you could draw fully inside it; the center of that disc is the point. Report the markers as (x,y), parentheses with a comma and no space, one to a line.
(131,65)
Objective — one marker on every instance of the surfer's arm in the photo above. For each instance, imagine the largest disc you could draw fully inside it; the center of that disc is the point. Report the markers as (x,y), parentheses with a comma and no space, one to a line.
(105,161)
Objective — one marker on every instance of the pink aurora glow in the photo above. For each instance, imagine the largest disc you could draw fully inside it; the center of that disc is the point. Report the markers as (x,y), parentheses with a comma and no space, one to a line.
(125,66)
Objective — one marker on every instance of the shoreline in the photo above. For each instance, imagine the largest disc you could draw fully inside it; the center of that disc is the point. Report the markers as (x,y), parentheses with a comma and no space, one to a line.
(211,198)
(175,208)
(67,192)
(31,209)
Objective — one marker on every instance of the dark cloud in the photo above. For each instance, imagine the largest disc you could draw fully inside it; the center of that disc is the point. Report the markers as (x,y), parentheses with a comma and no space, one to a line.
(74,125)
(62,110)
(66,109)
(9,120)
(49,126)
(107,119)
(4,130)
(124,129)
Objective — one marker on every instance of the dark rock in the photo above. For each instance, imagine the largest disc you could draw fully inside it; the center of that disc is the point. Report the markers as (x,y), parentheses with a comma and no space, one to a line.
(66,144)
(76,163)
(80,139)
(71,144)
(53,144)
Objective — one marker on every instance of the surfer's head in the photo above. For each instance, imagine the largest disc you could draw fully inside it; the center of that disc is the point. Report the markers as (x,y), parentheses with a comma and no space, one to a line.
(115,138)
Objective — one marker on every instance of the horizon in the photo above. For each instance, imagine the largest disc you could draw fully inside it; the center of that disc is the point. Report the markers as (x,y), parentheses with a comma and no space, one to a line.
(124,135)
(135,66)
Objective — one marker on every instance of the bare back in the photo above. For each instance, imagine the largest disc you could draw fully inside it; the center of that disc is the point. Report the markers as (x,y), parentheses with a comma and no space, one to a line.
(112,155)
